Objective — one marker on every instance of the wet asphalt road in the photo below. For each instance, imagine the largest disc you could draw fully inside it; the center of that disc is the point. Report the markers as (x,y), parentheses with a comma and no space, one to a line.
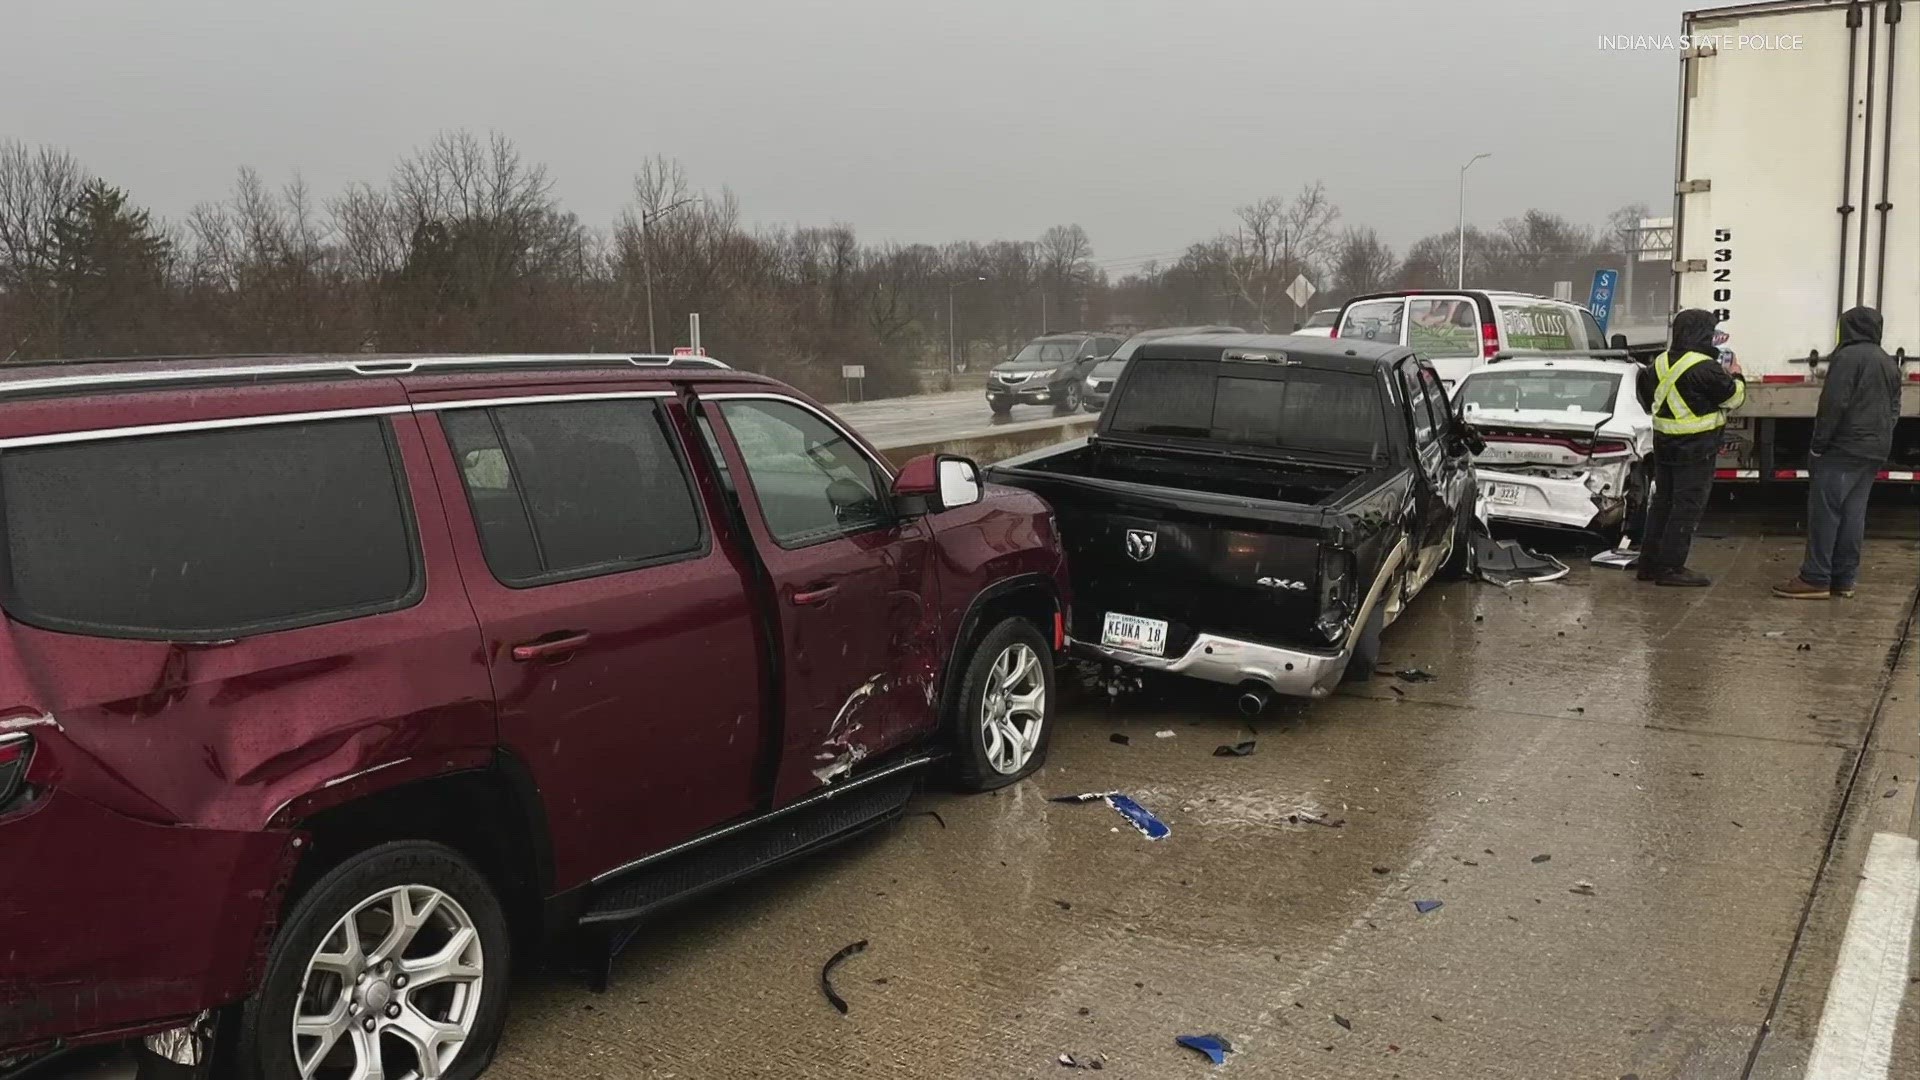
(1676,754)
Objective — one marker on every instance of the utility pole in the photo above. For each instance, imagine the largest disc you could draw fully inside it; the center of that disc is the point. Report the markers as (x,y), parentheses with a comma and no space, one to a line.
(1460,272)
(647,218)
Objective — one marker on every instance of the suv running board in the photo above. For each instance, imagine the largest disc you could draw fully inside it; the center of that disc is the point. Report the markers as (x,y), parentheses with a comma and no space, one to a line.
(617,904)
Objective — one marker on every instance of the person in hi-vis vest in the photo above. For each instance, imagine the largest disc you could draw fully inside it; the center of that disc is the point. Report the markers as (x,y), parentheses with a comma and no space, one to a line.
(1688,391)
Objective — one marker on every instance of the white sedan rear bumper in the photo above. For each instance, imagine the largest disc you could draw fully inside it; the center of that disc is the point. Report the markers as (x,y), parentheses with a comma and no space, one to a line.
(1545,500)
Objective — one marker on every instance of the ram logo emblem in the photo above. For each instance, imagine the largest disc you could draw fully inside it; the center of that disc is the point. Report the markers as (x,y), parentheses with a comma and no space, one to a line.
(1141,544)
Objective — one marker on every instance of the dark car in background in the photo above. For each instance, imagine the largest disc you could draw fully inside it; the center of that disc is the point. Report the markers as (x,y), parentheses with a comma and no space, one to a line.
(1047,371)
(334,687)
(1100,380)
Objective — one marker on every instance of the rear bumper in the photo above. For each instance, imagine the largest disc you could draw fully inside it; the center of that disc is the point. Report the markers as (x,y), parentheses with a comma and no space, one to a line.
(117,927)
(1291,672)
(1548,501)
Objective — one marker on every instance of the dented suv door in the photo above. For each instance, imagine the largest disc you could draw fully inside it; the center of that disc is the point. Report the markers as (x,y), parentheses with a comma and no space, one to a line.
(854,585)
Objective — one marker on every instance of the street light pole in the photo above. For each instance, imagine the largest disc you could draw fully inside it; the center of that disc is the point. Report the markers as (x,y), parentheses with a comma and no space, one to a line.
(646,258)
(951,368)
(1460,271)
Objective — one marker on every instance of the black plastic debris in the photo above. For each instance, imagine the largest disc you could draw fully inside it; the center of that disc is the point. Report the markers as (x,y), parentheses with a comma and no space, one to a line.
(1416,675)
(1382,870)
(1082,1061)
(1216,1047)
(934,814)
(1398,691)
(1116,737)
(1343,1021)
(826,975)
(1891,792)
(1803,647)
(1424,906)
(1239,749)
(1315,819)
(1541,858)
(1506,564)
(1582,888)
(1063,905)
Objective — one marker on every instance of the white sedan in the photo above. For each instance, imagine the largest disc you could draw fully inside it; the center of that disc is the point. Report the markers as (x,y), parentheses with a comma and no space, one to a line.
(1567,442)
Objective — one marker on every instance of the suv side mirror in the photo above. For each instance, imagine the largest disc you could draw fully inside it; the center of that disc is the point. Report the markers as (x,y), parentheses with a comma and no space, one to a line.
(931,483)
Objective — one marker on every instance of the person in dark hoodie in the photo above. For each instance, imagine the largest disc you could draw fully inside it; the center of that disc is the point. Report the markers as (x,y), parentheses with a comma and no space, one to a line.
(1688,393)
(1852,438)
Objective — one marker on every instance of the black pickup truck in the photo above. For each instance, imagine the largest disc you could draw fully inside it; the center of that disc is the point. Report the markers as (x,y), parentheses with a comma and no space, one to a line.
(1254,510)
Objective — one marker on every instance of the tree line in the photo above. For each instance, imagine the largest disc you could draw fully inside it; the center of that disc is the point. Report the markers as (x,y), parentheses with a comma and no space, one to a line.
(466,248)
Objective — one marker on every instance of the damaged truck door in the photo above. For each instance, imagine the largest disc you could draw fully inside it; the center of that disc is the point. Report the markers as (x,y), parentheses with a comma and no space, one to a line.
(855,585)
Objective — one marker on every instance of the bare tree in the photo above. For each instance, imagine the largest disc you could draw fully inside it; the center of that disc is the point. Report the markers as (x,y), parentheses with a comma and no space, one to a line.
(1278,239)
(1361,264)
(37,191)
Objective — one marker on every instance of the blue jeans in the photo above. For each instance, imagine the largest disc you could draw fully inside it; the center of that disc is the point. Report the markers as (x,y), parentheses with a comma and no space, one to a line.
(1836,521)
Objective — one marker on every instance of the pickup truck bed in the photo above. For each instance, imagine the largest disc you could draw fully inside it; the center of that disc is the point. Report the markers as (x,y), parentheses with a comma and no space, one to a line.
(1253,510)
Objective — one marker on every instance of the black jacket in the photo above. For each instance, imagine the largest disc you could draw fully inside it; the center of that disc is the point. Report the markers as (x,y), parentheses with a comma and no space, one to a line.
(1705,387)
(1860,400)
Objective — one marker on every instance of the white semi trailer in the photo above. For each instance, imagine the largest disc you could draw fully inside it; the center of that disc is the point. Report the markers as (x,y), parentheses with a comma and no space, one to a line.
(1797,196)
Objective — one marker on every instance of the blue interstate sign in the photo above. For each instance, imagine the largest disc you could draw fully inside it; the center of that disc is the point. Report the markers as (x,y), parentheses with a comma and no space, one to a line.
(1600,301)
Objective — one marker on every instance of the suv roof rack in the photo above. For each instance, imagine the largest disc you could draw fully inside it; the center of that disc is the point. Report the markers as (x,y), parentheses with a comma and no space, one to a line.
(309,366)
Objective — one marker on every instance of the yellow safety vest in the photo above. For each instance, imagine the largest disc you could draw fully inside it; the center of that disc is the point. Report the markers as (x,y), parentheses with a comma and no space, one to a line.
(1680,419)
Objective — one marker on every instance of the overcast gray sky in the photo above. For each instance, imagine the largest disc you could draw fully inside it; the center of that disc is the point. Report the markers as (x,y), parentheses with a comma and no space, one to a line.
(1147,121)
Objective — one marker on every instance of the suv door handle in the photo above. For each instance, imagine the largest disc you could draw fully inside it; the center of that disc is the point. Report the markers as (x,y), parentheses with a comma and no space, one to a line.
(817,595)
(547,647)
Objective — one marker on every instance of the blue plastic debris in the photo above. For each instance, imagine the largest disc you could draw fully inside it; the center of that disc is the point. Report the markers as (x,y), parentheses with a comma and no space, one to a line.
(1424,906)
(1150,827)
(1216,1047)
(1139,816)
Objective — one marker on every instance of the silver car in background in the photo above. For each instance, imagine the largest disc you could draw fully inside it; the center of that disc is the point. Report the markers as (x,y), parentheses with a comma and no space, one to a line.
(1099,382)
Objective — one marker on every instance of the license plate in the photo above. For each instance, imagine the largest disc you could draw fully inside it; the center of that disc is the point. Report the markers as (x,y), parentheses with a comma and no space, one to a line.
(1504,494)
(1135,634)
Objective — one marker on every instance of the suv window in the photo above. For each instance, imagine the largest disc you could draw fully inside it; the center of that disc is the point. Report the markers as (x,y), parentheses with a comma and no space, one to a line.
(206,535)
(813,483)
(1443,326)
(1373,320)
(574,489)
(1545,325)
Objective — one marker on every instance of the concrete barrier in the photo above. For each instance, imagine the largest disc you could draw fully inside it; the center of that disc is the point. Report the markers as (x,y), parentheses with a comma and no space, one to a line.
(990,446)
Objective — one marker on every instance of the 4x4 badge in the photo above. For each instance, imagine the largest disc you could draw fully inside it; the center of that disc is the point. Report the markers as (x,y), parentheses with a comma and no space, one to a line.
(1142,543)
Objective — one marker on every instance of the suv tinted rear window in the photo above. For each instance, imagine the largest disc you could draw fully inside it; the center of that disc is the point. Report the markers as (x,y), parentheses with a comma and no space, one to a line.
(1298,409)
(208,534)
(574,489)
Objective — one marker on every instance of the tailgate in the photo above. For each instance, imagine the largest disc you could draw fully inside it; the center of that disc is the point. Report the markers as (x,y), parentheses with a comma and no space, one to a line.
(1241,577)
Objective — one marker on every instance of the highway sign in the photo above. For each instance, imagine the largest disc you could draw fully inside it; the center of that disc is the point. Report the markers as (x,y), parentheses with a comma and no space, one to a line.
(1600,300)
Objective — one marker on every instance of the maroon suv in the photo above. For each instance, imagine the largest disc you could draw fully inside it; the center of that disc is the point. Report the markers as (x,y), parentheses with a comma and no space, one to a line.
(332,683)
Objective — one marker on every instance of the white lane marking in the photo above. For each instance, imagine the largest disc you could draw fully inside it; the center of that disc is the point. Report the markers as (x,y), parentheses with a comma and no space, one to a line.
(1863,1000)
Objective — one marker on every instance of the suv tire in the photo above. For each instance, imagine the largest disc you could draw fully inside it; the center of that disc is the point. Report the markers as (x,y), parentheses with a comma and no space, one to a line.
(1000,406)
(1069,399)
(313,959)
(1001,730)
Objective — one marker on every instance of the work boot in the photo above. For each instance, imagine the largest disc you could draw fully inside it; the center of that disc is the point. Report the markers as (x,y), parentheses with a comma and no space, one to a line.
(1801,589)
(1645,572)
(1845,591)
(1682,578)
